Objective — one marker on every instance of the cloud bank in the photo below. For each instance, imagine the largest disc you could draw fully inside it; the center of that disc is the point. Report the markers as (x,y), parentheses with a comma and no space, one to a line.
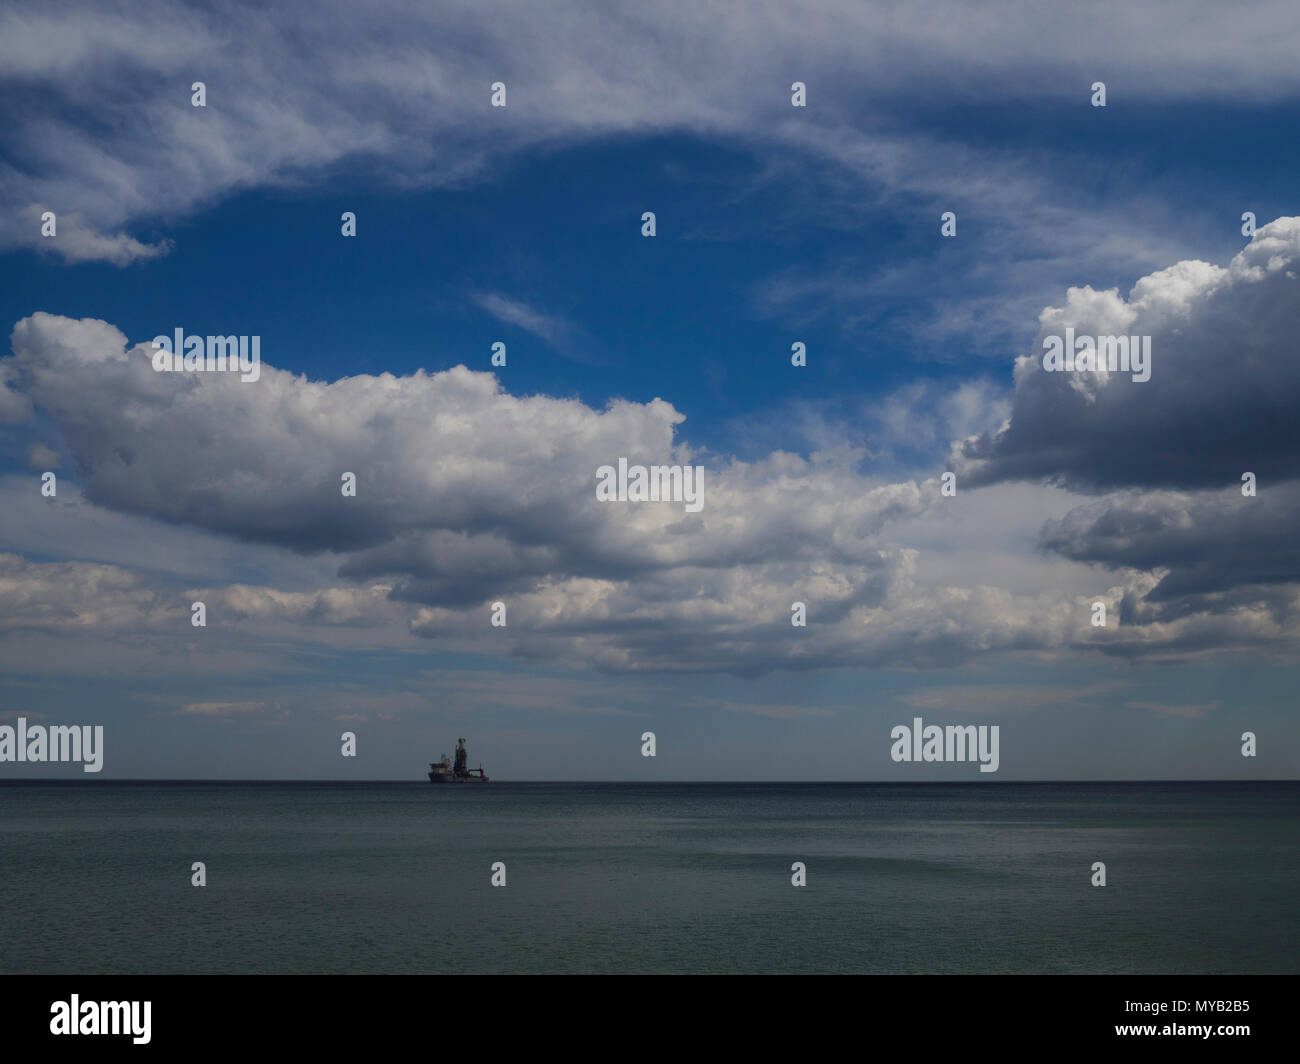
(469,495)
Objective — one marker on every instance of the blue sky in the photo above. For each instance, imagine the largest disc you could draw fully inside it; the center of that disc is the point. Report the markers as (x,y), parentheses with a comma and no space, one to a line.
(774,225)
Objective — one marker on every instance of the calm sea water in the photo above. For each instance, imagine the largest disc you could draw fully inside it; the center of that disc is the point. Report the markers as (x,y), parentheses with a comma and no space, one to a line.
(346,877)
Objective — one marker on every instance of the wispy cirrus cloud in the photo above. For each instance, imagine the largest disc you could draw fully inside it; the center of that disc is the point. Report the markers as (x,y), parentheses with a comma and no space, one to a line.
(986,698)
(220,709)
(774,711)
(293,92)
(549,327)
(1162,710)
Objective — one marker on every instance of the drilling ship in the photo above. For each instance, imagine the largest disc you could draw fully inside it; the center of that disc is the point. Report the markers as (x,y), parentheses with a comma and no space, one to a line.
(445,772)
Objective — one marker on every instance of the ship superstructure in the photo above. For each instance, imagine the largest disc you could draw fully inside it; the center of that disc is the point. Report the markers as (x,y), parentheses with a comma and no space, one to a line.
(445,771)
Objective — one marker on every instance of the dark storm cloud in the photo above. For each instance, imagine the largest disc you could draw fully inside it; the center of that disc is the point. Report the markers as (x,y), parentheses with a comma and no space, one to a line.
(1222,396)
(1207,544)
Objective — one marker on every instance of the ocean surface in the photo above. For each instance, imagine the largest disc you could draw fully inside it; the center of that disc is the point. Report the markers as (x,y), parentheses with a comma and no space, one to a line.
(95,877)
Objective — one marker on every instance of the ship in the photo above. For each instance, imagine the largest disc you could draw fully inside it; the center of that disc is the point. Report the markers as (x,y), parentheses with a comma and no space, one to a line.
(445,772)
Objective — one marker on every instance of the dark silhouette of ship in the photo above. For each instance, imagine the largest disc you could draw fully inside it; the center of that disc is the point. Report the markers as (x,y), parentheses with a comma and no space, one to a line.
(445,772)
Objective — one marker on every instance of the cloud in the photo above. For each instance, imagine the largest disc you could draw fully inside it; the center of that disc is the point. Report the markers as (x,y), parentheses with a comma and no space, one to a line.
(70,527)
(294,92)
(41,457)
(467,494)
(561,336)
(1162,710)
(458,480)
(771,711)
(1210,547)
(1220,400)
(998,698)
(513,312)
(352,606)
(1039,227)
(76,596)
(14,406)
(12,715)
(466,690)
(1170,453)
(69,616)
(220,709)
(76,241)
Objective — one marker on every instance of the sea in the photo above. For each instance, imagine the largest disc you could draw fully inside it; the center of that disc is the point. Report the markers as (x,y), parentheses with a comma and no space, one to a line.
(98,877)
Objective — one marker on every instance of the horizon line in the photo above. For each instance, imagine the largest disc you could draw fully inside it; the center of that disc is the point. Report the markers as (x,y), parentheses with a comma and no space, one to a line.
(803,782)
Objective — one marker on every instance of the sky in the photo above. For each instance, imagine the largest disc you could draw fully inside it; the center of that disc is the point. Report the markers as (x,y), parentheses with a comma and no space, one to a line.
(476,484)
